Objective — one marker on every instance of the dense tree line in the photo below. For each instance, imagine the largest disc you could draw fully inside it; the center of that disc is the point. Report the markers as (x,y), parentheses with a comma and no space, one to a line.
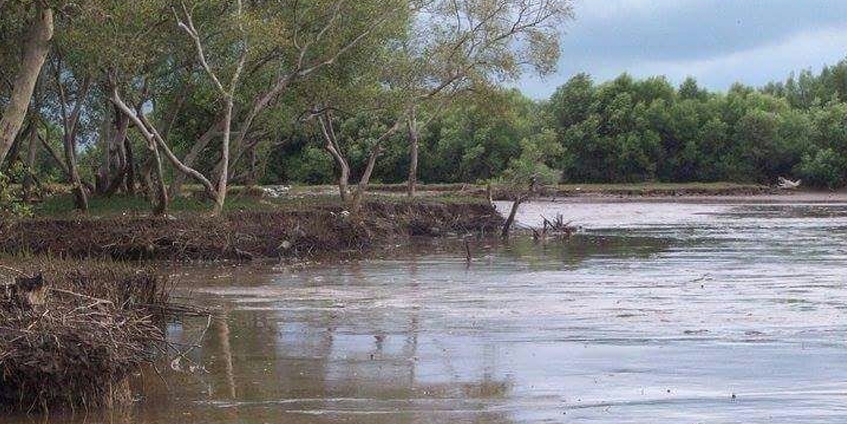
(623,131)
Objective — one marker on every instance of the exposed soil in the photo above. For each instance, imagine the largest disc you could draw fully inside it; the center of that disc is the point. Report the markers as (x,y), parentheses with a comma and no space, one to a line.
(594,190)
(243,235)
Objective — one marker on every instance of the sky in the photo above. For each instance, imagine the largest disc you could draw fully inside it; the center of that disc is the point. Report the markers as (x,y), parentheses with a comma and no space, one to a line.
(718,42)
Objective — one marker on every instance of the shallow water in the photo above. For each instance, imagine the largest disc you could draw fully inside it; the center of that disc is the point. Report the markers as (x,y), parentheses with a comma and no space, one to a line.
(655,312)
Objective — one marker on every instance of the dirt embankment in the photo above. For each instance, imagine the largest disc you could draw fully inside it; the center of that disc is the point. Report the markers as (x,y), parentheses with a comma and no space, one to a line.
(243,235)
(594,190)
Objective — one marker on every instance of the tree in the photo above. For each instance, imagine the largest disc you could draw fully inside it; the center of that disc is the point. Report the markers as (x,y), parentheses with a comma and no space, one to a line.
(36,45)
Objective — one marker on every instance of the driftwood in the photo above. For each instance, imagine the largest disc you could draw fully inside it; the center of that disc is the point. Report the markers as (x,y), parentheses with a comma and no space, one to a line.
(557,229)
(787,184)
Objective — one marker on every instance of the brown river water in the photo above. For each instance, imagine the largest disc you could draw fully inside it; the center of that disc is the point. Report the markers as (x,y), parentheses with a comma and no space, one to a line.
(656,312)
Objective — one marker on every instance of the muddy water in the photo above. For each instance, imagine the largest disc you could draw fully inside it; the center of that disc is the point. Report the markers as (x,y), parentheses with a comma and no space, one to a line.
(655,312)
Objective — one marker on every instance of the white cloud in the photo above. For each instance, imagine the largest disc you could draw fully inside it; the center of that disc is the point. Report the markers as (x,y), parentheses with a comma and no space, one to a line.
(758,65)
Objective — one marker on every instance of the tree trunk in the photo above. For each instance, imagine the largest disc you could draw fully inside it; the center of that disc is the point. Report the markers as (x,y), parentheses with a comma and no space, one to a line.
(220,199)
(364,181)
(191,157)
(130,167)
(252,177)
(56,157)
(36,46)
(117,155)
(71,124)
(507,226)
(160,206)
(413,154)
(31,155)
(520,198)
(12,156)
(362,188)
(80,196)
(332,147)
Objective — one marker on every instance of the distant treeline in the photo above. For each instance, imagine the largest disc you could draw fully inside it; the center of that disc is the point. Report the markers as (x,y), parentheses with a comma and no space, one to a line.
(624,130)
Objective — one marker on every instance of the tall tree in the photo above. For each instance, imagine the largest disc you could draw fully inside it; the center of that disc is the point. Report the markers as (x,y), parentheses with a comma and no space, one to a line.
(36,45)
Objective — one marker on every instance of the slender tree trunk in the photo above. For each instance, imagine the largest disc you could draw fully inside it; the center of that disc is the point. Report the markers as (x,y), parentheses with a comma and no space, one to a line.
(56,157)
(36,46)
(118,156)
(160,206)
(519,199)
(71,124)
(413,153)
(252,177)
(364,181)
(130,167)
(507,226)
(80,195)
(103,178)
(362,188)
(191,158)
(220,199)
(32,150)
(12,156)
(332,147)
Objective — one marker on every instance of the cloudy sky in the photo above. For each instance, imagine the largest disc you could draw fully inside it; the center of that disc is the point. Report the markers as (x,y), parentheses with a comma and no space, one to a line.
(716,41)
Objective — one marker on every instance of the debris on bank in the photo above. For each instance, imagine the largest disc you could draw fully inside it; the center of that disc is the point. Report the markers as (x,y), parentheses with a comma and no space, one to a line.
(555,229)
(244,235)
(72,333)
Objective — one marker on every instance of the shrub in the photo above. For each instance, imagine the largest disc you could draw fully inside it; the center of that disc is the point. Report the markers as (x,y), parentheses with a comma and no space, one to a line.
(11,205)
(824,168)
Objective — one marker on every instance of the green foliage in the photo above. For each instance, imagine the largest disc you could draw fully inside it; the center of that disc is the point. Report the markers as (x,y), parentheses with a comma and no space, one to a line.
(824,168)
(531,165)
(11,204)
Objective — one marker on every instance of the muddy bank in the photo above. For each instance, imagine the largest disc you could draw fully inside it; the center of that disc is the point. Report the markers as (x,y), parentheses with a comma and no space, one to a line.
(72,333)
(595,190)
(245,234)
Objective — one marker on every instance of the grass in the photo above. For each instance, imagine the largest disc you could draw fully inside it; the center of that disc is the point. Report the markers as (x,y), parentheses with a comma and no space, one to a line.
(61,205)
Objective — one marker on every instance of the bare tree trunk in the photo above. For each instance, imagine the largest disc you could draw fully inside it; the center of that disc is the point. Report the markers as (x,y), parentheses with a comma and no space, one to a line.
(12,156)
(130,167)
(334,150)
(80,196)
(32,150)
(103,178)
(149,132)
(507,226)
(70,123)
(364,181)
(36,46)
(224,176)
(413,153)
(56,157)
(118,154)
(252,177)
(191,157)
(160,207)
(519,199)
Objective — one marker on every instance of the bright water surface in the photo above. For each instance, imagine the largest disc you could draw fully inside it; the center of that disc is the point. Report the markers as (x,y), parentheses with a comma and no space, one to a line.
(656,313)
